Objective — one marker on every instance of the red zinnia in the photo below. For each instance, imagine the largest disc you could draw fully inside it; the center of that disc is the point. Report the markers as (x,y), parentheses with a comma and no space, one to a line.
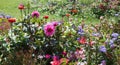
(74,11)
(67,15)
(46,17)
(21,7)
(82,40)
(102,6)
(11,20)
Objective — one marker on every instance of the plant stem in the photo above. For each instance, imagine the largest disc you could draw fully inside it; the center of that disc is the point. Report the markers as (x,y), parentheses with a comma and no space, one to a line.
(96,53)
(89,54)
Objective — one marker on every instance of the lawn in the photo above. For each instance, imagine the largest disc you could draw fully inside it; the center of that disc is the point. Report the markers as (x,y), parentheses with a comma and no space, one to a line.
(10,7)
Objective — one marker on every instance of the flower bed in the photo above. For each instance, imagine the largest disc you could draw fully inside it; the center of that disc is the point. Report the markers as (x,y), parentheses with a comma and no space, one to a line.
(35,39)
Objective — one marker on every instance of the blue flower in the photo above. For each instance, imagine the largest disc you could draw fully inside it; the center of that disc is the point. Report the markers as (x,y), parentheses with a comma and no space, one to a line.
(102,49)
(115,35)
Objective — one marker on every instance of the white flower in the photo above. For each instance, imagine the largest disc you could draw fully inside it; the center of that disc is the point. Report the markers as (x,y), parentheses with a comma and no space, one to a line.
(82,63)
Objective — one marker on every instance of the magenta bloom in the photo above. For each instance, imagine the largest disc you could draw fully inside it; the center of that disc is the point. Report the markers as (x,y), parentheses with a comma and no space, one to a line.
(64,53)
(49,29)
(47,56)
(55,58)
(35,14)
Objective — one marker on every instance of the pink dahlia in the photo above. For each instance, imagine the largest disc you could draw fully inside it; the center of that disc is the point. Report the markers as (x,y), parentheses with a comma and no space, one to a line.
(35,14)
(49,29)
(54,23)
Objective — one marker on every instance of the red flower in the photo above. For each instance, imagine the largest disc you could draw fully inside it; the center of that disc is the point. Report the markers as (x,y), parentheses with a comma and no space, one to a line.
(55,62)
(92,43)
(46,17)
(67,15)
(74,10)
(82,40)
(102,6)
(21,7)
(11,20)
(106,1)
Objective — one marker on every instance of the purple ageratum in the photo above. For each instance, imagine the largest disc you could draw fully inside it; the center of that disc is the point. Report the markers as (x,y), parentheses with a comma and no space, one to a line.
(96,34)
(103,62)
(112,46)
(115,35)
(80,30)
(111,42)
(7,16)
(49,29)
(35,14)
(114,39)
(102,49)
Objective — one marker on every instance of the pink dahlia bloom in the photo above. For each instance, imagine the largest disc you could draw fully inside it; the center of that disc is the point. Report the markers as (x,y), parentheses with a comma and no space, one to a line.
(54,23)
(35,14)
(49,29)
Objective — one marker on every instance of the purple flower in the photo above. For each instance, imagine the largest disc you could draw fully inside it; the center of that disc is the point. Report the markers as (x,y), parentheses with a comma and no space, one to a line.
(112,46)
(35,14)
(114,39)
(115,35)
(103,62)
(78,39)
(96,34)
(49,29)
(7,16)
(80,30)
(1,16)
(111,42)
(102,49)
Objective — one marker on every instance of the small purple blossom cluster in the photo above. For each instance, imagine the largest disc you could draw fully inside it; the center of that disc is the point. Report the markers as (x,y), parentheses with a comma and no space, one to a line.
(102,49)
(5,16)
(113,39)
(80,30)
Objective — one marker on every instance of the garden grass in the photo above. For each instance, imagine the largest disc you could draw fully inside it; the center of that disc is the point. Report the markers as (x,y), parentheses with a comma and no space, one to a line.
(10,7)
